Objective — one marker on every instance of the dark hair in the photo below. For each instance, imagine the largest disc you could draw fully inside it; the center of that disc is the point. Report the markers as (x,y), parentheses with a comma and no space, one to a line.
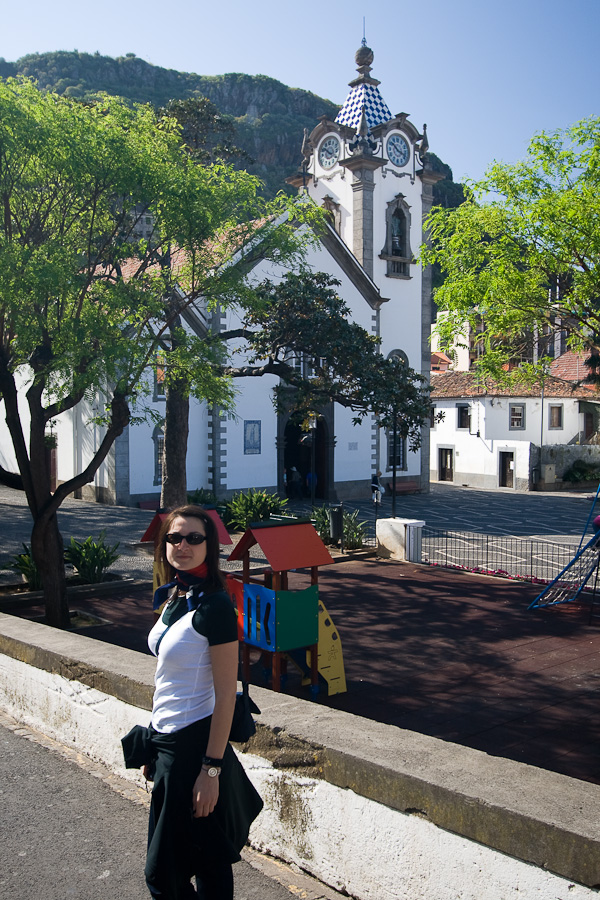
(214,577)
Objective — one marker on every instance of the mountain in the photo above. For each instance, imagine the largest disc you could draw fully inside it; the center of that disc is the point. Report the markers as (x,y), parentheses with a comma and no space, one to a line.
(269,117)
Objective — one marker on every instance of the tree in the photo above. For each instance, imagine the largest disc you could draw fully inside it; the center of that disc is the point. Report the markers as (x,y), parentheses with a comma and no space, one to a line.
(85,301)
(521,254)
(208,137)
(303,316)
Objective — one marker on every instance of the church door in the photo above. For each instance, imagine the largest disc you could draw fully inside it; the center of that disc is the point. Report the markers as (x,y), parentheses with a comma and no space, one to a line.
(299,458)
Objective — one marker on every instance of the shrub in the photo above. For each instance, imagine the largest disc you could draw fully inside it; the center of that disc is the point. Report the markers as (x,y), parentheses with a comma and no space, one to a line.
(320,518)
(202,497)
(252,506)
(24,564)
(91,558)
(582,471)
(354,531)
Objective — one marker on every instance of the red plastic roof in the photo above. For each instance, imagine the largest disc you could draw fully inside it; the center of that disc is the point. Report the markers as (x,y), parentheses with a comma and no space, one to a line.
(151,533)
(286,546)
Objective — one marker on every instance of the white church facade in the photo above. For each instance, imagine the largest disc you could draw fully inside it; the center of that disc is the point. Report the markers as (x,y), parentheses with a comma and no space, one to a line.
(368,169)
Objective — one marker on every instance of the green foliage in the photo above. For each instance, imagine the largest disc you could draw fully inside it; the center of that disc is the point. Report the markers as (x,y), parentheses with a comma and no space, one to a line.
(272,136)
(582,471)
(91,558)
(320,519)
(202,497)
(521,254)
(25,565)
(302,316)
(252,506)
(354,531)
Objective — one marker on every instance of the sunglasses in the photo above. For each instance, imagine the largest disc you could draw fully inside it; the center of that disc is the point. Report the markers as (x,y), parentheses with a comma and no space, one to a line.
(193,538)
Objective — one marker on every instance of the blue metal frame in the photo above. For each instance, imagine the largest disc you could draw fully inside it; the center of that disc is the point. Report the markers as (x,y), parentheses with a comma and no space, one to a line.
(559,589)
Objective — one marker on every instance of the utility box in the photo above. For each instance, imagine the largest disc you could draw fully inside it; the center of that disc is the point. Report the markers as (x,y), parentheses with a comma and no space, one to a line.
(549,473)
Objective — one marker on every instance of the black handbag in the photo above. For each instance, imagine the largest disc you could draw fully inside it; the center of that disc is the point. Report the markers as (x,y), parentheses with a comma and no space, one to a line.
(243,725)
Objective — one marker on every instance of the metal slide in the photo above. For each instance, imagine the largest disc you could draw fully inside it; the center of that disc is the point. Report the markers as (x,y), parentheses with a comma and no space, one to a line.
(568,585)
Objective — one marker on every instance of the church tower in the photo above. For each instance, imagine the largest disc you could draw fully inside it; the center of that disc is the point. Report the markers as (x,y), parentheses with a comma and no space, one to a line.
(368,168)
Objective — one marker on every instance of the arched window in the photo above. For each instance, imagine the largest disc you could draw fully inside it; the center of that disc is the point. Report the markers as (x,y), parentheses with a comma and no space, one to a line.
(158,437)
(396,452)
(333,213)
(397,250)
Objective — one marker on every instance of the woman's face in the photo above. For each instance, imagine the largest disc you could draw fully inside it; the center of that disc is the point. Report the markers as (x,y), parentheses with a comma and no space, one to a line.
(184,556)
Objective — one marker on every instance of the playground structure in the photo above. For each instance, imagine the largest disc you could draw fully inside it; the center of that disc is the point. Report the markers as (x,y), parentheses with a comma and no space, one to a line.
(574,578)
(286,625)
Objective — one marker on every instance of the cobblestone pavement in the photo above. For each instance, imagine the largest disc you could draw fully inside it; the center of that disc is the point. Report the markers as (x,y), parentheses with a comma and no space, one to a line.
(557,517)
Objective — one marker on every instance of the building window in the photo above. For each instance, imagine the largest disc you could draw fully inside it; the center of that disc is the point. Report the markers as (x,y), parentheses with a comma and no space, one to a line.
(159,377)
(432,417)
(158,436)
(516,416)
(463,416)
(555,417)
(399,457)
(396,249)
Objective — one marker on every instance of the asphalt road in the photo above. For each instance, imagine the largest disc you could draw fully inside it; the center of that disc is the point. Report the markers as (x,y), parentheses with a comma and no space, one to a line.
(68,834)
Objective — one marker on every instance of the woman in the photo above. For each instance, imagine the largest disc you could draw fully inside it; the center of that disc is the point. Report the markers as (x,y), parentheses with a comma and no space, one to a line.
(202,802)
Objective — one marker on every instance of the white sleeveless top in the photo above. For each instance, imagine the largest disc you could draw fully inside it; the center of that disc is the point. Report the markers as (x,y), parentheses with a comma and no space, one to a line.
(184,691)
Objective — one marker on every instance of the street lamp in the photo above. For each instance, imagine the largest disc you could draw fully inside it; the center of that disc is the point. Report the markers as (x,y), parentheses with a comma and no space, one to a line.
(312,424)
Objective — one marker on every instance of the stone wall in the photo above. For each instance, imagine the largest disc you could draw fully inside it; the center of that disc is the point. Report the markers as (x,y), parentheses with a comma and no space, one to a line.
(370,809)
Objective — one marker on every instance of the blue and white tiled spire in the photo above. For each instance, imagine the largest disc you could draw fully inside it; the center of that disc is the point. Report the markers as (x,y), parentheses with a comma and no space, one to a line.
(364,95)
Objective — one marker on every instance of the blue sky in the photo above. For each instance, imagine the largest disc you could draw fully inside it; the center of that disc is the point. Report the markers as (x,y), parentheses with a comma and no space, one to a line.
(484,75)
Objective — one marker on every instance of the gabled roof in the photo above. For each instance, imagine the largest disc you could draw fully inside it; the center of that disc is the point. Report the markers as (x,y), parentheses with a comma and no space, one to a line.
(464,385)
(570,366)
(296,546)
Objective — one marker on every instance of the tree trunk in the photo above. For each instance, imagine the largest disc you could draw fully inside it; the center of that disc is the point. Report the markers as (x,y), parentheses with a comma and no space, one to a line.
(176,430)
(48,552)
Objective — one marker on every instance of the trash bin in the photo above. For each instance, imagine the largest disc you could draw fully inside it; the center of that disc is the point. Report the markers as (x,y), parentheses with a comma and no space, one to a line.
(336,522)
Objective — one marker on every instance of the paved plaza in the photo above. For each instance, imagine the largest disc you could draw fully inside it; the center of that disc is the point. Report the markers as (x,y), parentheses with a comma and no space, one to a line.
(442,652)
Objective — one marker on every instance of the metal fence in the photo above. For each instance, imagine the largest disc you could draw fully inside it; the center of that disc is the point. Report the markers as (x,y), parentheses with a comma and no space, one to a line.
(491,554)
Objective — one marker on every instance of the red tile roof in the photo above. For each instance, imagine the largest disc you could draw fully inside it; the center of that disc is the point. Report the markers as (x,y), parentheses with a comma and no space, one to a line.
(570,366)
(468,384)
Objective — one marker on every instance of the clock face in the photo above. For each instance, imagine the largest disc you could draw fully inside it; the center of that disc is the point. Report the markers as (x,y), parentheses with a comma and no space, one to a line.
(329,152)
(397,150)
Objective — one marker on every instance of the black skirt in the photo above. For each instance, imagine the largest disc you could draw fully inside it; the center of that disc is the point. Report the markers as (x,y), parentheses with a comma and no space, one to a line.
(177,841)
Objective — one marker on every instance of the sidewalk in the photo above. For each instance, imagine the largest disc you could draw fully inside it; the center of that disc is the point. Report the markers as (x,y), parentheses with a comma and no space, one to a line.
(72,829)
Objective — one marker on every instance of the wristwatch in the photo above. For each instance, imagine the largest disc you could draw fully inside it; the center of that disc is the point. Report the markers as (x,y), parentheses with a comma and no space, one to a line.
(211,766)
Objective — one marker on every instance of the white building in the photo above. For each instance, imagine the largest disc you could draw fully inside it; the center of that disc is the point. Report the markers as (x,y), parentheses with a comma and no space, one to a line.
(367,169)
(490,436)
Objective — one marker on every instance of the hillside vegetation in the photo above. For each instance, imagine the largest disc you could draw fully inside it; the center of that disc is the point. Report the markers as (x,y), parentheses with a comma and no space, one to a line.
(268,116)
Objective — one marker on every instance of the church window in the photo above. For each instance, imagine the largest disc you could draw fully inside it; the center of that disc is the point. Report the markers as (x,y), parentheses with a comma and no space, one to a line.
(159,377)
(333,213)
(158,436)
(397,251)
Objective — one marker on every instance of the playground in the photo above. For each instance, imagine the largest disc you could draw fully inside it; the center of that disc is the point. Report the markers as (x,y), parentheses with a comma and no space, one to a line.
(441,652)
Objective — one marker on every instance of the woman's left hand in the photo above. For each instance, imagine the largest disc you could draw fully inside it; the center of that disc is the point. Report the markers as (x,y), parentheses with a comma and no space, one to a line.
(205,794)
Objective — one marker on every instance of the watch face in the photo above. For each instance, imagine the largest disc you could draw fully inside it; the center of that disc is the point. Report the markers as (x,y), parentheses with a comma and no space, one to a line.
(329,152)
(397,150)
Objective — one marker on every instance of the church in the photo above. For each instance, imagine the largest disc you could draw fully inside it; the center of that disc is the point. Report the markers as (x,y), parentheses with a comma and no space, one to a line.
(368,170)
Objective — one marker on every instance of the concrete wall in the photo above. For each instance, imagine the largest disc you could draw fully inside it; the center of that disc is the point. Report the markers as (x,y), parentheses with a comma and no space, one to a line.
(369,809)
